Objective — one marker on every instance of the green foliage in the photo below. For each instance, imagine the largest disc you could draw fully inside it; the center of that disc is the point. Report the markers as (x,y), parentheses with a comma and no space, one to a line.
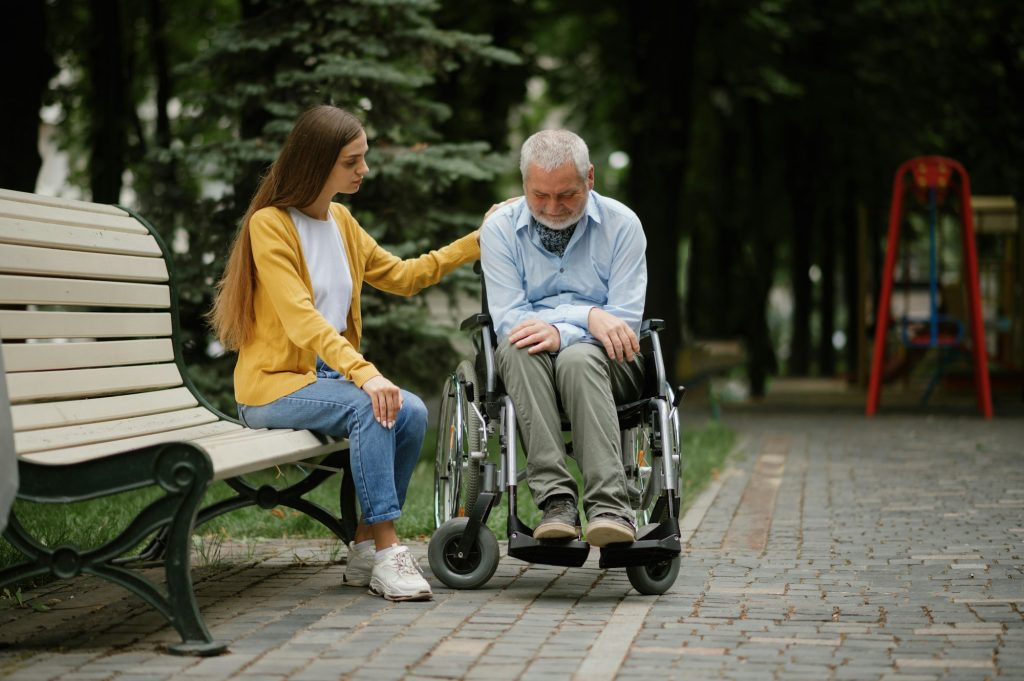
(375,58)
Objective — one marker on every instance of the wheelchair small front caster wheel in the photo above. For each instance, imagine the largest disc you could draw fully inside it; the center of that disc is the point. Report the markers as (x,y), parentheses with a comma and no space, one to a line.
(463,572)
(656,579)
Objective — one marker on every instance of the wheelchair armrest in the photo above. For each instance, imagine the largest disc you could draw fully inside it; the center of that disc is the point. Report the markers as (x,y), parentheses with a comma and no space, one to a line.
(476,321)
(654,363)
(648,325)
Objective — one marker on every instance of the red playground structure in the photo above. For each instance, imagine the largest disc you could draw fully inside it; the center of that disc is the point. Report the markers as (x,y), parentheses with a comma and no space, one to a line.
(934,177)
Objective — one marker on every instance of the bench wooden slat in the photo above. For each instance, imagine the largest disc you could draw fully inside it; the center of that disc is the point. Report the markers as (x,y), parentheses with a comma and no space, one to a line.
(19,324)
(71,412)
(104,431)
(233,457)
(49,235)
(28,290)
(70,455)
(238,435)
(52,356)
(60,263)
(59,202)
(42,385)
(71,216)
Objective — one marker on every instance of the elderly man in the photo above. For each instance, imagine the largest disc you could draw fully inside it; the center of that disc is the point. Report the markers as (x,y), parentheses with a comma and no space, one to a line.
(566,280)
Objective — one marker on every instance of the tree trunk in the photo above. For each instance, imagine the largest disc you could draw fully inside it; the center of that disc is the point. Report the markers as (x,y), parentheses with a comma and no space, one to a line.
(161,69)
(254,117)
(851,283)
(110,88)
(827,302)
(658,144)
(23,45)
(758,265)
(800,342)
(715,250)
(801,201)
(724,317)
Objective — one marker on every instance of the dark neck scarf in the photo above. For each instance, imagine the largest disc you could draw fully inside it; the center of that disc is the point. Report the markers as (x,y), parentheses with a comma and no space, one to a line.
(555,240)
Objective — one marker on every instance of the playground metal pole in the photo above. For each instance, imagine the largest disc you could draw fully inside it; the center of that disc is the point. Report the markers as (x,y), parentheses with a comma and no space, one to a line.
(882,316)
(982,388)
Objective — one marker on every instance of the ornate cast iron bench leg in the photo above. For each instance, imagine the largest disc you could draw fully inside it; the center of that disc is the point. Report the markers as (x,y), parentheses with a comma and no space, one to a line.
(184,473)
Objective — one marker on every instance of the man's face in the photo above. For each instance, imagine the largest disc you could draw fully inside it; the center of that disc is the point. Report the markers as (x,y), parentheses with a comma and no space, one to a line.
(557,198)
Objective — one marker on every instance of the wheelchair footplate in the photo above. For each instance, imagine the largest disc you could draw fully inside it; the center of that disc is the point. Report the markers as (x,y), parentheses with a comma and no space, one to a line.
(654,544)
(564,552)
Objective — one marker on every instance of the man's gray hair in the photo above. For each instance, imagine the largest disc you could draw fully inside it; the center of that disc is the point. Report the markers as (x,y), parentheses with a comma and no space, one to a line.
(550,149)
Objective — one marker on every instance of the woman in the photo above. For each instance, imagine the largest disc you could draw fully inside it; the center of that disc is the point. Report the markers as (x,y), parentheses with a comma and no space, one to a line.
(289,304)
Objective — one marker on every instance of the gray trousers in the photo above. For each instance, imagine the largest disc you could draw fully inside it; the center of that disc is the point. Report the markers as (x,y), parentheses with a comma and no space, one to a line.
(589,385)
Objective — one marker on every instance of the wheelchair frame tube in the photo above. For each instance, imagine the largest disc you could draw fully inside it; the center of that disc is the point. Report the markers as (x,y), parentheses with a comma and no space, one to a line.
(459,418)
(508,422)
(659,362)
(667,443)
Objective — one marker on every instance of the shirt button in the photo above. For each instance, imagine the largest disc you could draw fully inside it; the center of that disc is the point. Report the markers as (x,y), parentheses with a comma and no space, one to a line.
(561,269)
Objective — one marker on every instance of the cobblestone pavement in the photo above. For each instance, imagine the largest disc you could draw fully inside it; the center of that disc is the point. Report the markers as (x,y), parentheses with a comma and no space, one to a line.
(832,547)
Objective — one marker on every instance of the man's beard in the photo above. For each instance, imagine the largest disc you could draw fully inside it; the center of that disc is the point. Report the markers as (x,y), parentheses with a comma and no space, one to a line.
(564,223)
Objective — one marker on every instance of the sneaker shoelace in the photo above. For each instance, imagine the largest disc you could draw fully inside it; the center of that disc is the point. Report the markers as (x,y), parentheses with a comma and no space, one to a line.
(405,565)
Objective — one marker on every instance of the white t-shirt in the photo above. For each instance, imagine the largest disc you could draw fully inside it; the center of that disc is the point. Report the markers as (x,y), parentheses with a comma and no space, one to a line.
(328,266)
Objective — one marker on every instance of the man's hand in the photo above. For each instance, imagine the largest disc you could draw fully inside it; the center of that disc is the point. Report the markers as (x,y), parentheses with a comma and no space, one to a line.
(386,399)
(539,336)
(615,335)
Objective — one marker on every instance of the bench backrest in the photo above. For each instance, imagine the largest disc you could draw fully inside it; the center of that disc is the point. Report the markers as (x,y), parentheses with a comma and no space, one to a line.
(88,323)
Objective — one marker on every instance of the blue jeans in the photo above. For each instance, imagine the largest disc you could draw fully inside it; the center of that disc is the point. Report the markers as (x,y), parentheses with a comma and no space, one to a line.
(382,459)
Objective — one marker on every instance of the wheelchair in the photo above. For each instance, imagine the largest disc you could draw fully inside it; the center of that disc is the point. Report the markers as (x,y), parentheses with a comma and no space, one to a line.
(476,464)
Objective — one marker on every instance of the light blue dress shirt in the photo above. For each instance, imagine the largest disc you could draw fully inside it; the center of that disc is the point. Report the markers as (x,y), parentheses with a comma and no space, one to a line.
(604,266)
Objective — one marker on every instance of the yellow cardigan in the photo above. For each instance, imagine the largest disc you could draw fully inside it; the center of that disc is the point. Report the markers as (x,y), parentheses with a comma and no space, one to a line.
(289,334)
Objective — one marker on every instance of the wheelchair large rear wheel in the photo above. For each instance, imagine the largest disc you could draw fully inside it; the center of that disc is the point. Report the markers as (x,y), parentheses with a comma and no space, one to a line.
(471,570)
(456,475)
(643,447)
(642,481)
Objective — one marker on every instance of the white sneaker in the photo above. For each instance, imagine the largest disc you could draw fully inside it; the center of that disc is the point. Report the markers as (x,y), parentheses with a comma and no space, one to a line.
(360,565)
(398,578)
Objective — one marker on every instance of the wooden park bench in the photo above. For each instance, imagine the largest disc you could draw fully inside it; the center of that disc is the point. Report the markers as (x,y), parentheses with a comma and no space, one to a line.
(98,402)
(700,361)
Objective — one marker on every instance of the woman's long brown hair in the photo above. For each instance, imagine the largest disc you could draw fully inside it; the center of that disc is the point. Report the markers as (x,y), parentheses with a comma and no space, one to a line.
(294,180)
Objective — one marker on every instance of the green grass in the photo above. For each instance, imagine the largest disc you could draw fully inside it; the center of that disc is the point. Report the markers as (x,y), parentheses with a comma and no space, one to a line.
(90,523)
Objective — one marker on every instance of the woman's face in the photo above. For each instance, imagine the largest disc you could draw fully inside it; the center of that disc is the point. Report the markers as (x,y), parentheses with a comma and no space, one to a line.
(350,167)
